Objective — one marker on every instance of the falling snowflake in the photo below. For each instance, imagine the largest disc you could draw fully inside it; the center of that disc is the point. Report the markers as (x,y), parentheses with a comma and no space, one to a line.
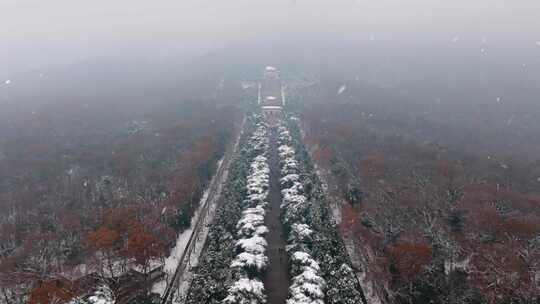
(510,120)
(8,81)
(342,89)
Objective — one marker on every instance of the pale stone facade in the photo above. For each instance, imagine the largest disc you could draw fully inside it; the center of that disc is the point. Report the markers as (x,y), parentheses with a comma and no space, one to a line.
(270,96)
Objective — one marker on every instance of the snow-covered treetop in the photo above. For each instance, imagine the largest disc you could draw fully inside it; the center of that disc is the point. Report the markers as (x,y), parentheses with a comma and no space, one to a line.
(246,291)
(254,244)
(295,189)
(246,260)
(286,151)
(293,199)
(300,232)
(251,245)
(249,222)
(259,139)
(308,285)
(304,259)
(289,178)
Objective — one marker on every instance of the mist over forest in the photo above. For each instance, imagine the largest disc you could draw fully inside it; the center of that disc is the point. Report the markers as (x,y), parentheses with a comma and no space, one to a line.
(274,152)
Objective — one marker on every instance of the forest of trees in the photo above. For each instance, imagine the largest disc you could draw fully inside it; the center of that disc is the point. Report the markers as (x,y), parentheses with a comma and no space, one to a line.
(234,261)
(435,222)
(89,193)
(436,207)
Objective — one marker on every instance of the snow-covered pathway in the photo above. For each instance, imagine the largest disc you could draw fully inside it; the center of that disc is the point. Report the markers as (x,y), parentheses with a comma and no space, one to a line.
(190,243)
(276,279)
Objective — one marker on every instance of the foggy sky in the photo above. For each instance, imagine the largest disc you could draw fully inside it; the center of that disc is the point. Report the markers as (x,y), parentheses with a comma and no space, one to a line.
(37,33)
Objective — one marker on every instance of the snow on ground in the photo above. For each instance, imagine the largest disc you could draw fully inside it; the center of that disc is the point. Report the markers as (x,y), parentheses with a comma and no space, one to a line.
(102,295)
(187,275)
(172,261)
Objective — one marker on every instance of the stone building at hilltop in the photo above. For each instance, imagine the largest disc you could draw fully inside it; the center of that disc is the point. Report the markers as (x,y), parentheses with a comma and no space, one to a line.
(271,96)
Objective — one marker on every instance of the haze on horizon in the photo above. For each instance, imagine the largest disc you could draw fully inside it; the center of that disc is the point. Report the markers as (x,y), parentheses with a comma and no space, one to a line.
(43,34)
(270,151)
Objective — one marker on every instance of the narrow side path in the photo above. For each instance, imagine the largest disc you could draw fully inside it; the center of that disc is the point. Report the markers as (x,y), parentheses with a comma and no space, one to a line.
(173,288)
(276,279)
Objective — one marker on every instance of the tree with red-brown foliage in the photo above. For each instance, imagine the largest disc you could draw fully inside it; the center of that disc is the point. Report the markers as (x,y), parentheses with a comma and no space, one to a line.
(451,173)
(408,259)
(124,163)
(108,240)
(479,205)
(504,258)
(323,156)
(103,239)
(521,228)
(105,244)
(505,272)
(203,150)
(372,166)
(143,246)
(350,220)
(53,291)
